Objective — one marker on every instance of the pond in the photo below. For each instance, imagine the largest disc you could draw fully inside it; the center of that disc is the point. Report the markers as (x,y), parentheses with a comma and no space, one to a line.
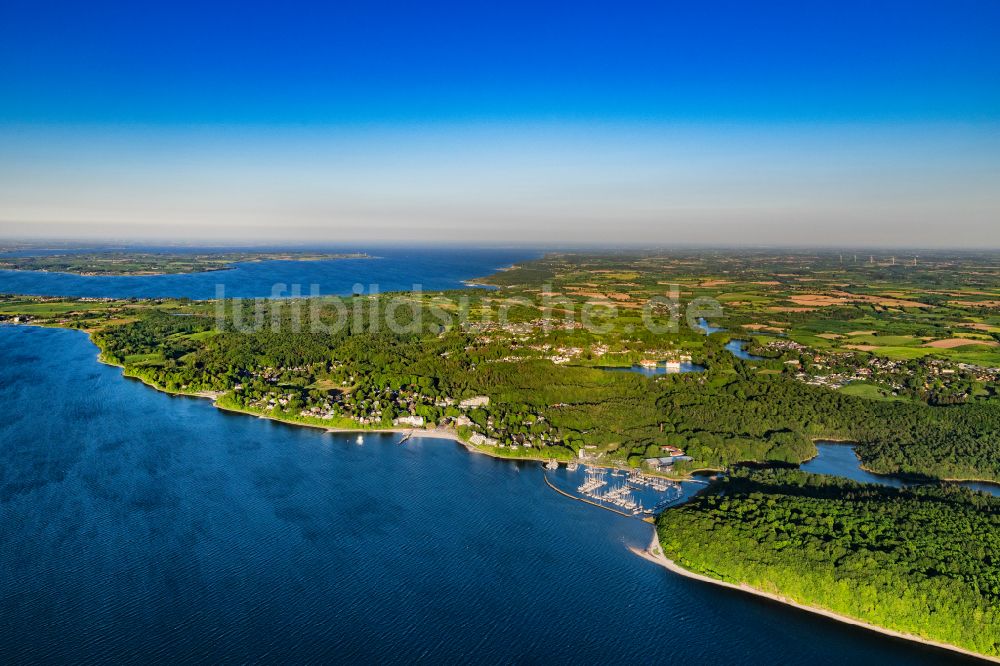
(658,369)
(737,349)
(734,347)
(706,328)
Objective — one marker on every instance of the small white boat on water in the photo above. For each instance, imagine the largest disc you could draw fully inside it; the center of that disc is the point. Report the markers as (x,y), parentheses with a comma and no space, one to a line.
(360,440)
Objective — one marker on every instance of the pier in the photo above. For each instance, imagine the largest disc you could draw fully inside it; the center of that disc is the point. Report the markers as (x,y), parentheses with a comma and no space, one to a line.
(581,499)
(598,487)
(614,490)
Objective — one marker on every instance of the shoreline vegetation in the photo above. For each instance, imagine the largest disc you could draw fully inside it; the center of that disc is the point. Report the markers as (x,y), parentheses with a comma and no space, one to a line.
(413,431)
(524,387)
(898,559)
(433,433)
(449,433)
(542,376)
(891,475)
(452,434)
(654,553)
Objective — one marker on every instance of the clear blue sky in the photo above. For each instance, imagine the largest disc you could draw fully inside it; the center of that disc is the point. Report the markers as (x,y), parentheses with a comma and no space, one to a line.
(726,114)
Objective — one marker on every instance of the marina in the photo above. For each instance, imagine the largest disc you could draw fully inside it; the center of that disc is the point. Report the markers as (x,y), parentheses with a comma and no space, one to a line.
(332,530)
(629,491)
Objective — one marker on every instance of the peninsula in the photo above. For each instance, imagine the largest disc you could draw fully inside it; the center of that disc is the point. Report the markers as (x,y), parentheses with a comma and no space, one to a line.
(543,369)
(156,263)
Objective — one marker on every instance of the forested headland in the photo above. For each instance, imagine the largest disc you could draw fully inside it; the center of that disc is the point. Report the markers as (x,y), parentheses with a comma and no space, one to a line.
(903,364)
(731,413)
(921,561)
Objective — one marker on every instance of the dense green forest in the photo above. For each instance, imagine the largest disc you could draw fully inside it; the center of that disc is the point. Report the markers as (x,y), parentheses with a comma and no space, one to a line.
(924,561)
(894,437)
(848,352)
(731,413)
(901,360)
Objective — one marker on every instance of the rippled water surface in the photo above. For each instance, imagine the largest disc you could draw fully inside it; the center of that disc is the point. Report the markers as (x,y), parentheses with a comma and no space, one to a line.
(139,527)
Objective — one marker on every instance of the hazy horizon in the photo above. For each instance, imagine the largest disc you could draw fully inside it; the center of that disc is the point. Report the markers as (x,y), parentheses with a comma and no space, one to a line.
(857,126)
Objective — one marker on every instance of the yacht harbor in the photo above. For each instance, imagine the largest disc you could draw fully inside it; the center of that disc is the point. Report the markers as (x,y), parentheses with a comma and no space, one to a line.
(630,492)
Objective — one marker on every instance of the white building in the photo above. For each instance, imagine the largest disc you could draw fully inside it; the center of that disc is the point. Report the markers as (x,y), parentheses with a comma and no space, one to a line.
(478,401)
(479,439)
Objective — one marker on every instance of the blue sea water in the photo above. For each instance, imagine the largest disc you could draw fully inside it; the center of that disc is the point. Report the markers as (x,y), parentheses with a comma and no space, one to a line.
(136,527)
(389,269)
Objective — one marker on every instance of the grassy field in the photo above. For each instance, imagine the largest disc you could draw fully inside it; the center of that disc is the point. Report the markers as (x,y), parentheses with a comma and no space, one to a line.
(871,391)
(48,309)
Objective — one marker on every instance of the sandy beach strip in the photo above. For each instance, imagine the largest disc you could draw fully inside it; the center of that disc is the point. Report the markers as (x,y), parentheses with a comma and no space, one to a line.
(654,553)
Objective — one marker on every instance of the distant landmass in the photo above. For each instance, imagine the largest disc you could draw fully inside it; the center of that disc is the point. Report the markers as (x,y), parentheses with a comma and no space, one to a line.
(156,263)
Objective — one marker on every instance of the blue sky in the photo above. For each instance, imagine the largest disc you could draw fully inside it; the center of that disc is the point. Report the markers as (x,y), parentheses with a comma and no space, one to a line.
(670,121)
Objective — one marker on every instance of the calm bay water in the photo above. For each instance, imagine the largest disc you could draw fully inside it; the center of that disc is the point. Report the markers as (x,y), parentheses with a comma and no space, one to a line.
(738,349)
(838,459)
(139,527)
(392,269)
(734,347)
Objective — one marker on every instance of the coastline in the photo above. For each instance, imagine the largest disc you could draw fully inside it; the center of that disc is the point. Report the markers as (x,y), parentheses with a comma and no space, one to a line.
(431,433)
(442,433)
(472,284)
(654,553)
(990,482)
(892,475)
(446,433)
(210,269)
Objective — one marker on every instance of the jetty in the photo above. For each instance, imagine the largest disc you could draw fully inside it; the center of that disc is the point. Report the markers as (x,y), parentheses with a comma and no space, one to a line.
(581,499)
(618,487)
